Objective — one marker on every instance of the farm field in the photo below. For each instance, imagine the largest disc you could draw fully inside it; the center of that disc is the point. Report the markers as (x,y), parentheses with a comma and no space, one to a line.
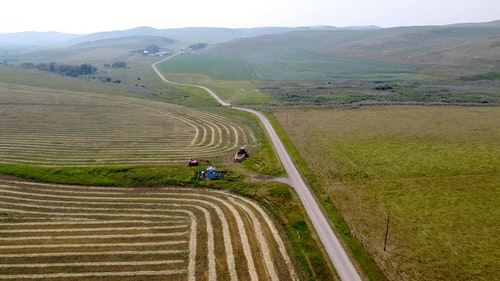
(63,232)
(219,66)
(436,169)
(234,91)
(50,127)
(309,66)
(288,66)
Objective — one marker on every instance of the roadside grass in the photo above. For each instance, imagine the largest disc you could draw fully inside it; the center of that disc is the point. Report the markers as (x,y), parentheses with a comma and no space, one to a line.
(356,249)
(436,169)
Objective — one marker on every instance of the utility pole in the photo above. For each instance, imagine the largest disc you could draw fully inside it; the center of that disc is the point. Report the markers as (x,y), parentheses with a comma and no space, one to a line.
(387,229)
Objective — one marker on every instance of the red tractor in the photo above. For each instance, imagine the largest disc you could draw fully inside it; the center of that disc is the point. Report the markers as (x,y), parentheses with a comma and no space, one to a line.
(196,161)
(241,155)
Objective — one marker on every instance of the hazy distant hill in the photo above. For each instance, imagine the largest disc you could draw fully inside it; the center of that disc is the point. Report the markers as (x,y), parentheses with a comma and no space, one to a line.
(99,50)
(197,34)
(452,50)
(186,35)
(32,38)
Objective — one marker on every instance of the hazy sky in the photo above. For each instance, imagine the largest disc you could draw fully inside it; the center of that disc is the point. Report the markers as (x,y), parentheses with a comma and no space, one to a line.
(87,16)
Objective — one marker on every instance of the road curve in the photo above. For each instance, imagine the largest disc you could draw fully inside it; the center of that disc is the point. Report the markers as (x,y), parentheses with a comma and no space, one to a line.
(336,252)
(219,100)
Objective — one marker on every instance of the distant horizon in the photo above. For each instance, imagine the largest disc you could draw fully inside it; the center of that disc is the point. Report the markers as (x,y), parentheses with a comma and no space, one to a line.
(92,16)
(256,27)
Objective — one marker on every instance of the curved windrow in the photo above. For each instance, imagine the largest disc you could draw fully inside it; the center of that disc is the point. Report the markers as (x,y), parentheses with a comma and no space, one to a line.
(83,233)
(54,128)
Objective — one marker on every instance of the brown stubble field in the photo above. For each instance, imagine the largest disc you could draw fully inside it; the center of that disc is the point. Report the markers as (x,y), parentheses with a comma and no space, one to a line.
(436,169)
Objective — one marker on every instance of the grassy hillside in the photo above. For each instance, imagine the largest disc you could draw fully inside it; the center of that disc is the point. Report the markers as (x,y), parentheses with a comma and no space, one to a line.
(449,51)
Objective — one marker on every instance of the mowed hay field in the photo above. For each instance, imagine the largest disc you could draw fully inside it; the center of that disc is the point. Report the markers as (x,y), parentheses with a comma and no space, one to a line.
(66,128)
(62,232)
(437,169)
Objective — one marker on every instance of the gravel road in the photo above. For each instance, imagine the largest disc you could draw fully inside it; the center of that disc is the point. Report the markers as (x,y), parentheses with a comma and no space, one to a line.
(336,252)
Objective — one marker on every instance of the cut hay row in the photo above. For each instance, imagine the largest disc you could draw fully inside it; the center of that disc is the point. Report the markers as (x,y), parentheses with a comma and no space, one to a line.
(93,274)
(151,205)
(172,233)
(91,264)
(61,128)
(93,229)
(99,253)
(140,244)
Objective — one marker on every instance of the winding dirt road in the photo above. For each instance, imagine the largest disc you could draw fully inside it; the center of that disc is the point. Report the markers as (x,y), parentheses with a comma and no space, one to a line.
(336,252)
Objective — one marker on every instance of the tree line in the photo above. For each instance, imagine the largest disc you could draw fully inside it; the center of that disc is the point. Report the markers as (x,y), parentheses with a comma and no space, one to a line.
(63,69)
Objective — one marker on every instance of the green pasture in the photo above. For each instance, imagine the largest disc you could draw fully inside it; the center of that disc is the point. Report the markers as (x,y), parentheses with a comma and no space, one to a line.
(289,66)
(436,169)
(237,92)
(218,66)
(308,66)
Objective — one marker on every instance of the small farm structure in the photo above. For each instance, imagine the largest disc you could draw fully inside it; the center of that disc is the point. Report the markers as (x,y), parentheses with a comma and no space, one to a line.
(210,173)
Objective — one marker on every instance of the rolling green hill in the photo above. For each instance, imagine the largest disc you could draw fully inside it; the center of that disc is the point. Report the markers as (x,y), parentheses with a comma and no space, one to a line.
(451,51)
(448,51)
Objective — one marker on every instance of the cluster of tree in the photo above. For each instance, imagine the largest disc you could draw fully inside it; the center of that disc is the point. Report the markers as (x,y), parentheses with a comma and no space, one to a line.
(478,77)
(198,46)
(116,64)
(107,79)
(383,87)
(63,69)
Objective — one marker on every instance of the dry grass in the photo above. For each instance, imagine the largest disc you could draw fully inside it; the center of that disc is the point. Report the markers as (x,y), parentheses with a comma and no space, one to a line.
(435,168)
